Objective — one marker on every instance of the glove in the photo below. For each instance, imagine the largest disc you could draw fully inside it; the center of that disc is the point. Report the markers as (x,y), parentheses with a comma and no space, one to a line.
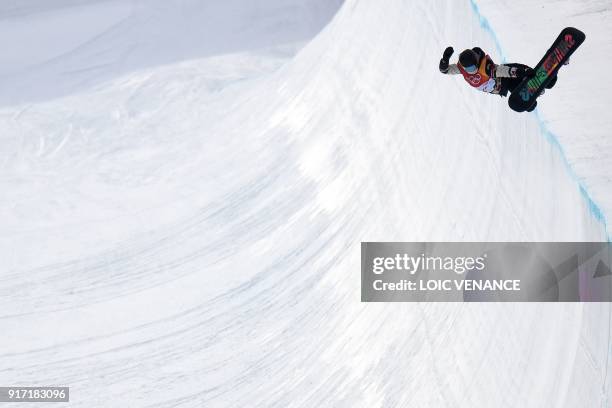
(529,73)
(448,52)
(443,65)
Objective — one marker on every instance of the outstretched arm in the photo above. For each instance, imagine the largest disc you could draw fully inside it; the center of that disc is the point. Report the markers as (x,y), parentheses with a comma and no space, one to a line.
(451,69)
(445,67)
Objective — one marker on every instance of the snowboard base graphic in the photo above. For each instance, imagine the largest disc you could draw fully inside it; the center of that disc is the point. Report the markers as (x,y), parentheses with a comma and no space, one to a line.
(524,96)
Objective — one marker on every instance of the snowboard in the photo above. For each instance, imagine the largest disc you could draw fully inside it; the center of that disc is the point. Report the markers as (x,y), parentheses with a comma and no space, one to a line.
(524,96)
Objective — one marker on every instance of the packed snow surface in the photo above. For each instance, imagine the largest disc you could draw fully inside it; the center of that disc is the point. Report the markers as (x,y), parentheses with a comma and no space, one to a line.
(185,186)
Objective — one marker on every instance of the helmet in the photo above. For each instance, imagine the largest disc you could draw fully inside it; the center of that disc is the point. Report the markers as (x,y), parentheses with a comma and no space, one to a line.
(469,60)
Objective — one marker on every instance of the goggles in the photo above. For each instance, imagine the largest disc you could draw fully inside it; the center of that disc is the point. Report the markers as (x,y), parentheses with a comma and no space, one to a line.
(471,69)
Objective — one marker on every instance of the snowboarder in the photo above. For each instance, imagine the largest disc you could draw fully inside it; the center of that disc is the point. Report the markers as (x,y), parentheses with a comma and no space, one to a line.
(479,70)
